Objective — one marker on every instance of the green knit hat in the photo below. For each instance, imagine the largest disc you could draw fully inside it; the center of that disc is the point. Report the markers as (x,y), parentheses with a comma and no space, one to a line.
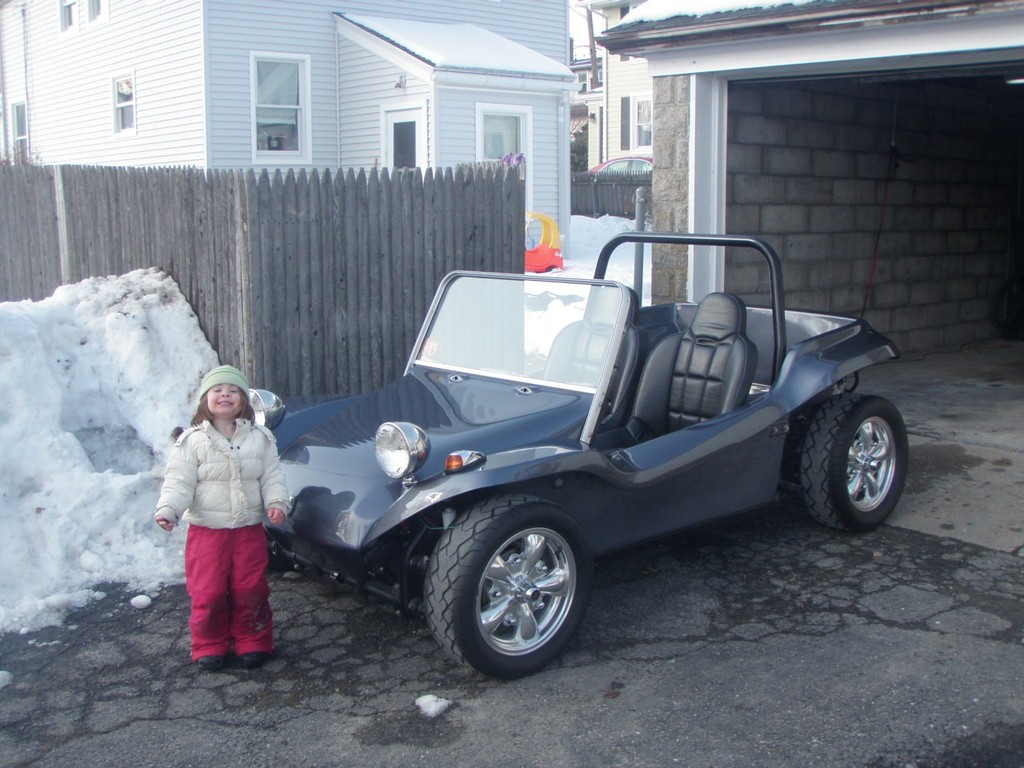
(224,374)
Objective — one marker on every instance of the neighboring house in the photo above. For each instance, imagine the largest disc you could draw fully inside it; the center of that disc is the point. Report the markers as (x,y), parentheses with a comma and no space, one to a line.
(587,62)
(268,84)
(624,114)
(875,143)
(588,103)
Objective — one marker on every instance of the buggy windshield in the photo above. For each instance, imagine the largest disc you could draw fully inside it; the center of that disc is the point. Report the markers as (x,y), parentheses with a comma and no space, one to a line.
(529,329)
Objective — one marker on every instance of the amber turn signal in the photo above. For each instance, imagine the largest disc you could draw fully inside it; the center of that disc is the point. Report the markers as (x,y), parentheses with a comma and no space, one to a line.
(460,460)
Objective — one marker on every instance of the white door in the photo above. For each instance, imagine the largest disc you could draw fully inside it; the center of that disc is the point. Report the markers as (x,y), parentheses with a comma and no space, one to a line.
(403,138)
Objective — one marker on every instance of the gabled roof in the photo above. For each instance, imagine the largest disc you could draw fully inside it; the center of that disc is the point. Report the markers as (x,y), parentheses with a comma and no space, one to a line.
(450,48)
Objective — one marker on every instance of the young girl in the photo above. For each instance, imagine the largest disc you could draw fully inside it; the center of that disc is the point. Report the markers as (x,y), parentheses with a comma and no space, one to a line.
(223,478)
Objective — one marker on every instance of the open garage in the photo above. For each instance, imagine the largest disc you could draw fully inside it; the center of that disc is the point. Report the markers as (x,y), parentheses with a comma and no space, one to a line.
(878,146)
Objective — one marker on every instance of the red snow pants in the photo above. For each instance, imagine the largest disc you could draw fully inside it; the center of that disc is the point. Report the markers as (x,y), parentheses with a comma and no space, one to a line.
(226,576)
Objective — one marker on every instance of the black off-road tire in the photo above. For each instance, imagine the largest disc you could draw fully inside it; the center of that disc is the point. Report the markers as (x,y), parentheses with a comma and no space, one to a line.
(477,572)
(853,462)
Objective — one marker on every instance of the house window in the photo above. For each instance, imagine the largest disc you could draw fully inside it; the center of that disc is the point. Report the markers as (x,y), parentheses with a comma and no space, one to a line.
(637,123)
(503,132)
(96,10)
(124,104)
(280,108)
(643,123)
(68,15)
(20,120)
(502,136)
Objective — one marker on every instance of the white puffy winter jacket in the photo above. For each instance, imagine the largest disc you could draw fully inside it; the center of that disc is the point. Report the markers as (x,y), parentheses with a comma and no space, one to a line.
(219,483)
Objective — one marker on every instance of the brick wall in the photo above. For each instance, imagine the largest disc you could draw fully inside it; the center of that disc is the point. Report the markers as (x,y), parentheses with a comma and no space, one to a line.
(810,167)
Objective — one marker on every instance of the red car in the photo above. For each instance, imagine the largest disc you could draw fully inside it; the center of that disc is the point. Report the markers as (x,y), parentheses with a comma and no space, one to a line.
(624,165)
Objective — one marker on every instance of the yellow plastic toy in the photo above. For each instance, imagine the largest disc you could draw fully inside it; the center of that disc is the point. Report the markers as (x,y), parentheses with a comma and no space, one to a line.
(548,253)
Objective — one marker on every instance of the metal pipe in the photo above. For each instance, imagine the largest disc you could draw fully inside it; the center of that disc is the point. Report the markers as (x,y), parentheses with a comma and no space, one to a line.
(728,241)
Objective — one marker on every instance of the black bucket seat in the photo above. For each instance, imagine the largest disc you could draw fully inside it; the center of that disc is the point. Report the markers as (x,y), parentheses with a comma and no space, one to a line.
(698,373)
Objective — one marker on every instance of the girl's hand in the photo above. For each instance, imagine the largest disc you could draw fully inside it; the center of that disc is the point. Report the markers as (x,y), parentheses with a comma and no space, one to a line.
(276,515)
(167,525)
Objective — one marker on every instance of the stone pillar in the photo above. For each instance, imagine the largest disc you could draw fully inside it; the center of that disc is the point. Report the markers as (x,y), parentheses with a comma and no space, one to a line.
(671,182)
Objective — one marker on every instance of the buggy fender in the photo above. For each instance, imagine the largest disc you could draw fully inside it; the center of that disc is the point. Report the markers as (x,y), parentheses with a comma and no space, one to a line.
(820,362)
(501,470)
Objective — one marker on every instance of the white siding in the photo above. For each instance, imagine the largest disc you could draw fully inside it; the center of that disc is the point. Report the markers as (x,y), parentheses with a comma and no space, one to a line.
(236,28)
(367,88)
(191,60)
(624,77)
(348,135)
(12,88)
(70,82)
(456,130)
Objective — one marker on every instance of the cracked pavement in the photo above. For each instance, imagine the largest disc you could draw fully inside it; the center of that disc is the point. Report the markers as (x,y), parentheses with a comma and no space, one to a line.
(764,640)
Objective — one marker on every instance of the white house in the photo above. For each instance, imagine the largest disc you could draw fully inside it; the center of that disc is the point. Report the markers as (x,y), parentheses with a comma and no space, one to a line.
(311,84)
(623,112)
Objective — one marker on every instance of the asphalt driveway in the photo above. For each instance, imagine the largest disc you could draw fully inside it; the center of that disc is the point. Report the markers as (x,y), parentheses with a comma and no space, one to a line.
(762,641)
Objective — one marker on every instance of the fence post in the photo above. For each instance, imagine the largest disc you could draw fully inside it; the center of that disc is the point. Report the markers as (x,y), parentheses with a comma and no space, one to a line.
(62,224)
(638,249)
(243,240)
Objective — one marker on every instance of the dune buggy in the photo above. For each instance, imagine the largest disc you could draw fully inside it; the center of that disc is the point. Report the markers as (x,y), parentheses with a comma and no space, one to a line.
(542,422)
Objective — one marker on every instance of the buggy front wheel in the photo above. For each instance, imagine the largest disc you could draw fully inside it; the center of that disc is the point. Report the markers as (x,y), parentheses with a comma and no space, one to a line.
(508,585)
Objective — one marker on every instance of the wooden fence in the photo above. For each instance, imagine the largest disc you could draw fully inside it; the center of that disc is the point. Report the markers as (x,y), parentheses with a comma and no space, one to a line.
(310,282)
(608,194)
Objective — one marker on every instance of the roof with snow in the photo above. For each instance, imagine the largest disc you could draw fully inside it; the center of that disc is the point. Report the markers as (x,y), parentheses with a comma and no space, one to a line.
(464,48)
(675,22)
(659,10)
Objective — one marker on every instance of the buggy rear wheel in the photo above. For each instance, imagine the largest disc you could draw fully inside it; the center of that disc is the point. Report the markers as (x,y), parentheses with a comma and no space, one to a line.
(854,462)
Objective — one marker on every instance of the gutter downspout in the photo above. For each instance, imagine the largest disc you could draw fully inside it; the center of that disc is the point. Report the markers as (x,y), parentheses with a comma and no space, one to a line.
(337,98)
(564,174)
(24,63)
(3,98)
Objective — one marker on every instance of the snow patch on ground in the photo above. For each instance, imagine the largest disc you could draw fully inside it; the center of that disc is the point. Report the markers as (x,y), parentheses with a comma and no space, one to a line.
(431,705)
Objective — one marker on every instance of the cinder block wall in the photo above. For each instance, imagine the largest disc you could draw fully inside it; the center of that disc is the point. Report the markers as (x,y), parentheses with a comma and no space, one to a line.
(812,170)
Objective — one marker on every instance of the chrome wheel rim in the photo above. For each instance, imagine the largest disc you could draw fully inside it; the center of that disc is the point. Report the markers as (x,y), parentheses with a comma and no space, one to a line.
(526,591)
(871,464)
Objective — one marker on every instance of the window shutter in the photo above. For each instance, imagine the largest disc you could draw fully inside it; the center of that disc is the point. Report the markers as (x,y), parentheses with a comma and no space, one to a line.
(624,114)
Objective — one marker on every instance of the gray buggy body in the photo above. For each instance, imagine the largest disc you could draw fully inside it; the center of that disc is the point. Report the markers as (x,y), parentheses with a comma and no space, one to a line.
(542,422)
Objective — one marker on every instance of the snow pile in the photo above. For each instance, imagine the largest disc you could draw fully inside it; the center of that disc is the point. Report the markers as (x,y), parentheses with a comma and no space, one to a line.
(589,236)
(94,378)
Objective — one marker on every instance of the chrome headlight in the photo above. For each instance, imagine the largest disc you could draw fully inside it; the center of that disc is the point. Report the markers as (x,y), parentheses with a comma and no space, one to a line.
(268,407)
(401,448)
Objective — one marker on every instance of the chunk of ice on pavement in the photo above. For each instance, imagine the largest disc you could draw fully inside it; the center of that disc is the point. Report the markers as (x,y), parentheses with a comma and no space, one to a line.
(431,705)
